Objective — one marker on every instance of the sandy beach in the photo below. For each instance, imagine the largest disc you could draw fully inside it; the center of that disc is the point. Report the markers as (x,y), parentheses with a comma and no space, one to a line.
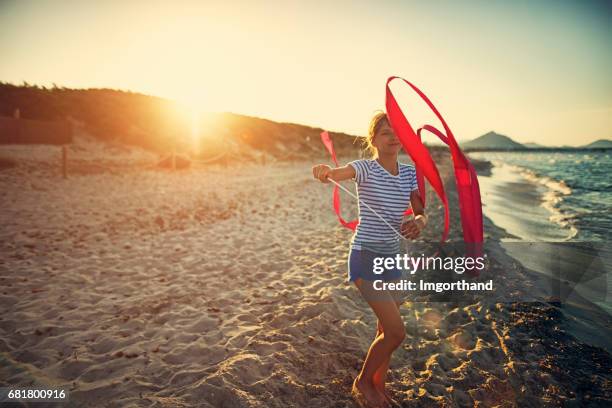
(226,287)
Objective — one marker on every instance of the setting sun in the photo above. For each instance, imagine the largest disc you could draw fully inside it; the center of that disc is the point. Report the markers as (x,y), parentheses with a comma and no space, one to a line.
(320,66)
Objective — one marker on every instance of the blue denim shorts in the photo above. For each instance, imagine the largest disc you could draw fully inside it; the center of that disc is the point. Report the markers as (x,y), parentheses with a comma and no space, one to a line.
(361,265)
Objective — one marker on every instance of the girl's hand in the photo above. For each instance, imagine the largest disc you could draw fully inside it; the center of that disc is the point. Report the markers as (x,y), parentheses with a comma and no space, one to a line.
(412,228)
(321,172)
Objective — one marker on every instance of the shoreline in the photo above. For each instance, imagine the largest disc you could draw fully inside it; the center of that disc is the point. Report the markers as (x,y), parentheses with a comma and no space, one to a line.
(590,329)
(531,226)
(559,196)
(507,192)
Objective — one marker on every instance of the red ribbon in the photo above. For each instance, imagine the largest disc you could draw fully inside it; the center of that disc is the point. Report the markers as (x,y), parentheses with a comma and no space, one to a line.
(336,195)
(466,178)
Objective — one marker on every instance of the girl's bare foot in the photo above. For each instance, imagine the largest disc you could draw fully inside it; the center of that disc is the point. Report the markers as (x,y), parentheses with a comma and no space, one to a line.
(387,396)
(362,390)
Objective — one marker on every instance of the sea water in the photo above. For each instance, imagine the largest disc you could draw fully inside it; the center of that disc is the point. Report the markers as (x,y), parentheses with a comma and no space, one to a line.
(574,189)
(560,201)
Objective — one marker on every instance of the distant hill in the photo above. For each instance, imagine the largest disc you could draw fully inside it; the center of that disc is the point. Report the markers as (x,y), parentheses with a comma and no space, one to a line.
(599,144)
(158,124)
(496,141)
(492,140)
(534,145)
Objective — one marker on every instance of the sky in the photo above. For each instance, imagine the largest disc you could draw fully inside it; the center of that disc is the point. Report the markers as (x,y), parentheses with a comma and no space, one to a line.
(537,70)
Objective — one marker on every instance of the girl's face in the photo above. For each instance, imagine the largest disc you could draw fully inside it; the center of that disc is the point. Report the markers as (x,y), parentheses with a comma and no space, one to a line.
(385,140)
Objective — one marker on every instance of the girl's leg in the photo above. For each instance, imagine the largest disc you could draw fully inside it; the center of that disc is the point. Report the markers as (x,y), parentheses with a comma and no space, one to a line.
(383,346)
(380,376)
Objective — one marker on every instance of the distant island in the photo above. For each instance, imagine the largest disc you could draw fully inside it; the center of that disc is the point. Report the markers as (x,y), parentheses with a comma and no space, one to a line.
(532,145)
(493,141)
(599,144)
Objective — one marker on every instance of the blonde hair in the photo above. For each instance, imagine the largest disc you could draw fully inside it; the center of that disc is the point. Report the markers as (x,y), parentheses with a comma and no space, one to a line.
(375,125)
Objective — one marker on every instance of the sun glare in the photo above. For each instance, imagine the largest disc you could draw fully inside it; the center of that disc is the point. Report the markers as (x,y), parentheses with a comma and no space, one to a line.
(189,114)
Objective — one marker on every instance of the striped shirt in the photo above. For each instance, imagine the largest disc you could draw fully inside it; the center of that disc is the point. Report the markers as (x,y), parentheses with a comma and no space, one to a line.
(389,196)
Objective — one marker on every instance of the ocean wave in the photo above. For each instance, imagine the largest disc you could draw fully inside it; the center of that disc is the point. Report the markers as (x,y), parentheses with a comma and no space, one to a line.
(572,188)
(563,219)
(556,191)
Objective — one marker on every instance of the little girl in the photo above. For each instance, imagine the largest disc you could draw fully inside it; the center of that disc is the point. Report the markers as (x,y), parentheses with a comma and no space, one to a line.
(387,187)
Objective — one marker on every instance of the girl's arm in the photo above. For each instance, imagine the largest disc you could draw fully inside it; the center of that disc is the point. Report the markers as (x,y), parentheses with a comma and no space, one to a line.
(412,229)
(323,173)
